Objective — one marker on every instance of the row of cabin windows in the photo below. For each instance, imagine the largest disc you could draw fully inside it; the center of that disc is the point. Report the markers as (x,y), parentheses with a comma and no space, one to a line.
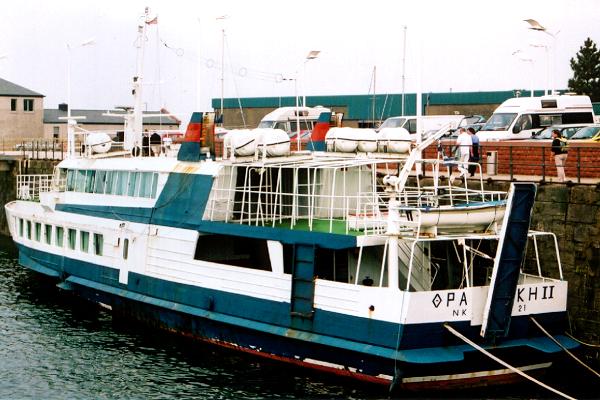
(55,235)
(254,254)
(27,104)
(120,183)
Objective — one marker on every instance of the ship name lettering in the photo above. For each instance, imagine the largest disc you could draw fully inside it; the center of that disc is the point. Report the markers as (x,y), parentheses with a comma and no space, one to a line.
(452,297)
(532,293)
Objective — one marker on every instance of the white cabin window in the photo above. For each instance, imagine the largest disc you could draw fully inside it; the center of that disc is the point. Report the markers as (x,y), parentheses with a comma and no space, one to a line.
(21,227)
(154,185)
(110,176)
(120,183)
(134,178)
(239,251)
(38,231)
(84,241)
(60,233)
(80,176)
(48,233)
(70,180)
(98,243)
(125,249)
(72,236)
(28,229)
(90,176)
(99,183)
(123,178)
(146,181)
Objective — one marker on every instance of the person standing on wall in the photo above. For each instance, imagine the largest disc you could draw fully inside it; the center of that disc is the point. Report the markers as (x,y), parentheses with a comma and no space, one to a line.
(464,144)
(559,149)
(474,150)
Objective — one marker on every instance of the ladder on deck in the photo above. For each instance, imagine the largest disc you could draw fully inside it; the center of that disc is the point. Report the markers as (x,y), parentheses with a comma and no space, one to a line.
(303,286)
(509,258)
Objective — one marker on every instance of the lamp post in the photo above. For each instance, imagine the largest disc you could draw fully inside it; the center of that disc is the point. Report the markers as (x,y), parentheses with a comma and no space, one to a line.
(89,42)
(536,26)
(71,121)
(529,60)
(311,56)
(548,89)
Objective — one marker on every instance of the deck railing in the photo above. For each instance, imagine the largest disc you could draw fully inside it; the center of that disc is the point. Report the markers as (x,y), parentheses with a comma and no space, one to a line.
(335,196)
(29,187)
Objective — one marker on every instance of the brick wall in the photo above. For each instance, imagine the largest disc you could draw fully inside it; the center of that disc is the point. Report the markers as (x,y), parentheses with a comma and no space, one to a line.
(533,157)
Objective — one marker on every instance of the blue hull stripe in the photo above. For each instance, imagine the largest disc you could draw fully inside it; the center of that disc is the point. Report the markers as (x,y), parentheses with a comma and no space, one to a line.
(232,320)
(330,329)
(418,356)
(28,261)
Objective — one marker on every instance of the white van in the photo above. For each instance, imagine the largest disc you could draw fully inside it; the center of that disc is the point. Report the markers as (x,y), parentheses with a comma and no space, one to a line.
(286,118)
(519,118)
(431,123)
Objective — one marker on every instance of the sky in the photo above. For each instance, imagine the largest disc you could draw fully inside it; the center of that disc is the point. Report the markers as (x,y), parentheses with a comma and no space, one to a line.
(258,48)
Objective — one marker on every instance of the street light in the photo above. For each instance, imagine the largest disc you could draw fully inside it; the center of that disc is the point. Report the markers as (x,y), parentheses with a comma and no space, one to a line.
(536,26)
(311,56)
(71,121)
(517,54)
(548,89)
(89,42)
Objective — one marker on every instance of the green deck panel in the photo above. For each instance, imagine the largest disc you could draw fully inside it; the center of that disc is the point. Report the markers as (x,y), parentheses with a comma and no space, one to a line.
(319,225)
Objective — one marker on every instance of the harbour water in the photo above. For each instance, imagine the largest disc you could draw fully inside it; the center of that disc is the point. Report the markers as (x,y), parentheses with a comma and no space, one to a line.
(54,346)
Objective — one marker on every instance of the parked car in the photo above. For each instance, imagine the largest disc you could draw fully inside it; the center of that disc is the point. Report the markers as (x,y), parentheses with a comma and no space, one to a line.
(566,131)
(591,133)
(472,120)
(476,126)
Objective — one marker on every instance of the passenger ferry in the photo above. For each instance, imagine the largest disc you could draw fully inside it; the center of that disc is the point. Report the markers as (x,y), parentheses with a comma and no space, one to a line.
(343,262)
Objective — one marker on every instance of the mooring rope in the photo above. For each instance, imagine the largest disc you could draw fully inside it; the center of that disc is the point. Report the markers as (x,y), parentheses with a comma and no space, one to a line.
(594,346)
(564,348)
(515,370)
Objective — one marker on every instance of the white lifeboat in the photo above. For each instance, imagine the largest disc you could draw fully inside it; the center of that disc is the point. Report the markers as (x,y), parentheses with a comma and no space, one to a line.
(367,140)
(98,142)
(241,141)
(341,139)
(275,142)
(394,140)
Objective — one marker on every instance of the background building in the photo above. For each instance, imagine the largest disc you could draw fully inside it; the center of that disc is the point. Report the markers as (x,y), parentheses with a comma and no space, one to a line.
(21,111)
(363,110)
(22,117)
(56,128)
